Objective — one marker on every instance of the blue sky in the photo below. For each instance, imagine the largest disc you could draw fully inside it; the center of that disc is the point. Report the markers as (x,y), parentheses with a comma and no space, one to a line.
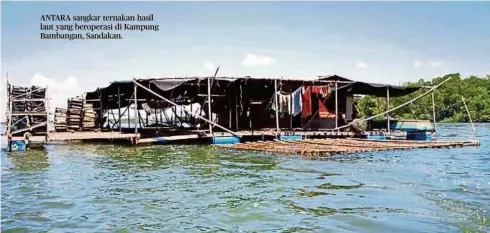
(387,42)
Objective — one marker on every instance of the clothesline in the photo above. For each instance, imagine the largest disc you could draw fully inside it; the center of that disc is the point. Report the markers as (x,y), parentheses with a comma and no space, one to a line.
(301,101)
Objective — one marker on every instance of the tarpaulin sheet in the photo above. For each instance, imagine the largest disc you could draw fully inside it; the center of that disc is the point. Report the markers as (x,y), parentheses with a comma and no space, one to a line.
(170,84)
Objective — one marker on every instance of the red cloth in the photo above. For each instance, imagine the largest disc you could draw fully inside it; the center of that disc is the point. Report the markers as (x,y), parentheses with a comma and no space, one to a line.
(306,109)
(321,90)
(323,93)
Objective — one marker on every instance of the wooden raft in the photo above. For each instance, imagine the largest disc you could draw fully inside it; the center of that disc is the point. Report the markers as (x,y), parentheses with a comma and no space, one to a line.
(326,147)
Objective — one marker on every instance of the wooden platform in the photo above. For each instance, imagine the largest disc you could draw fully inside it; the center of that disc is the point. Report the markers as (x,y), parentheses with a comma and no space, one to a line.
(65,136)
(273,132)
(69,136)
(326,147)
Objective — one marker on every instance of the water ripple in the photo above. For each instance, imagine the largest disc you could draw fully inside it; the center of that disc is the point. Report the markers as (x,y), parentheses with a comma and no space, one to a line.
(114,188)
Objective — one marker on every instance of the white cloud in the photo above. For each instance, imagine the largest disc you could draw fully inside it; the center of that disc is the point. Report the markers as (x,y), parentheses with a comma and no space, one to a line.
(59,92)
(3,100)
(210,67)
(361,65)
(255,60)
(428,63)
(435,63)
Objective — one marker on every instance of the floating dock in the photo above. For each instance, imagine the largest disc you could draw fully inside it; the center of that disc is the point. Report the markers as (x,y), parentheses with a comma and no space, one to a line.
(327,147)
(83,136)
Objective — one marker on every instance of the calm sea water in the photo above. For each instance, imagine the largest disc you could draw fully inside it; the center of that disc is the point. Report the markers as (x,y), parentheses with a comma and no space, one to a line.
(110,188)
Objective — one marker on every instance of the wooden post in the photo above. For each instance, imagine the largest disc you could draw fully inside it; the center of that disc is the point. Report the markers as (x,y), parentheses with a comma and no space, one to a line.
(209,106)
(236,110)
(469,115)
(10,109)
(433,110)
(119,106)
(388,108)
(46,106)
(129,115)
(277,105)
(101,111)
(291,112)
(161,114)
(229,115)
(136,108)
(336,106)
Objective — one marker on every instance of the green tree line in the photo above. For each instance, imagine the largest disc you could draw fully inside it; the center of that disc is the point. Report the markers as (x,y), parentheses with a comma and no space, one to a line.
(448,102)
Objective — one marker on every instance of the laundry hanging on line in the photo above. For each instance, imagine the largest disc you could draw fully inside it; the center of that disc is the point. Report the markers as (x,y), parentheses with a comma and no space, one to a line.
(289,103)
(307,108)
(318,94)
(284,102)
(296,101)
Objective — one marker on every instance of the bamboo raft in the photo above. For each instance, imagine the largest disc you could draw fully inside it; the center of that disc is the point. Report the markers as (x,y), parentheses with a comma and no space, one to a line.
(326,147)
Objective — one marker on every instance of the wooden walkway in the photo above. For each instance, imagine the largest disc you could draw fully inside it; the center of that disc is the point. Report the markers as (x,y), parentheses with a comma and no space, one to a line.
(272,132)
(326,147)
(69,136)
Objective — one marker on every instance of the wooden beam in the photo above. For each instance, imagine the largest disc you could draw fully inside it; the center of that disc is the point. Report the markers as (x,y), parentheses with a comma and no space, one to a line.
(276,102)
(433,110)
(336,105)
(136,107)
(469,114)
(30,128)
(388,109)
(29,100)
(119,107)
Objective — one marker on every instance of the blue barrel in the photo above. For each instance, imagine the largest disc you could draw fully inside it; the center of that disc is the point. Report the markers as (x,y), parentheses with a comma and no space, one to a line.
(376,137)
(290,137)
(225,140)
(19,145)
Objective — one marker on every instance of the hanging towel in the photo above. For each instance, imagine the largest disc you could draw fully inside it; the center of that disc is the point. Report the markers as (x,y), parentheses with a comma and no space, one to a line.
(296,102)
(306,108)
(284,102)
(324,91)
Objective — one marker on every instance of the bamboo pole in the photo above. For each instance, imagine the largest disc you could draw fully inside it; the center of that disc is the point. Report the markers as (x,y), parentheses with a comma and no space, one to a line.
(129,115)
(236,110)
(336,105)
(174,104)
(469,115)
(399,106)
(210,113)
(277,105)
(136,107)
(9,125)
(119,106)
(388,109)
(433,110)
(101,115)
(209,106)
(229,114)
(46,106)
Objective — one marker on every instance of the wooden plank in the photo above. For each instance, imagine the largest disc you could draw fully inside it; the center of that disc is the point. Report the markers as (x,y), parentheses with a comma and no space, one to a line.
(66,136)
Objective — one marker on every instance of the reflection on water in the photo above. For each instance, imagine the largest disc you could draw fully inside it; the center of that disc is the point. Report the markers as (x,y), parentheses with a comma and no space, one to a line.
(114,188)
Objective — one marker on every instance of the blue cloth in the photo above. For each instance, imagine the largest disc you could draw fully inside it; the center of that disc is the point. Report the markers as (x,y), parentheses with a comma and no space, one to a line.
(297,102)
